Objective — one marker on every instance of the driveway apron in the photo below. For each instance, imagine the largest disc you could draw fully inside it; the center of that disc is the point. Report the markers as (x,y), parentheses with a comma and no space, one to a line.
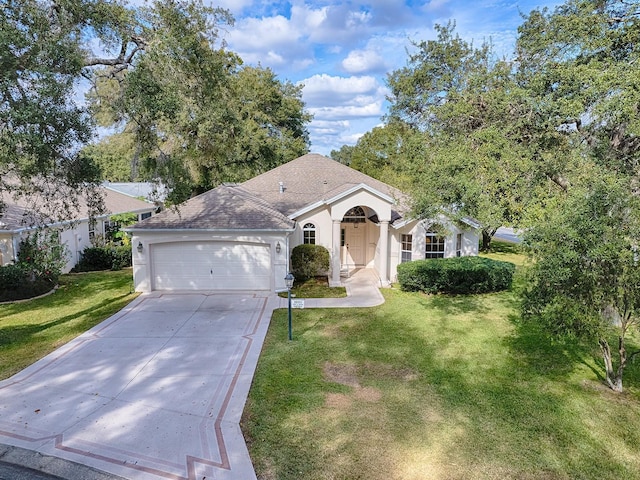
(154,392)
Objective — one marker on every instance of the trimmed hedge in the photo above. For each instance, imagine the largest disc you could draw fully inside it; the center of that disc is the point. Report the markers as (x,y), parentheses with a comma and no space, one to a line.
(18,283)
(104,258)
(309,261)
(459,275)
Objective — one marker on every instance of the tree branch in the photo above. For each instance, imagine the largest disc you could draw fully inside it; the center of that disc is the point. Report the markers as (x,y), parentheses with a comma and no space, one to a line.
(559,180)
(123,60)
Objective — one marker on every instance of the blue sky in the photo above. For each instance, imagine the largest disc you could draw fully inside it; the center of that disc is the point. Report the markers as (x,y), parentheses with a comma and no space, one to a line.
(341,51)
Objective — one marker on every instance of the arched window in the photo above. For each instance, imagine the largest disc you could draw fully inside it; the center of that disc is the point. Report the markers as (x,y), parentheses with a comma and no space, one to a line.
(434,244)
(309,233)
(355,215)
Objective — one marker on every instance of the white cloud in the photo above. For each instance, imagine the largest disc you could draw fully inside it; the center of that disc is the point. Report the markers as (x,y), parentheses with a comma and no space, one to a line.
(365,109)
(352,138)
(320,90)
(263,33)
(234,6)
(272,41)
(361,61)
(331,126)
(330,135)
(439,7)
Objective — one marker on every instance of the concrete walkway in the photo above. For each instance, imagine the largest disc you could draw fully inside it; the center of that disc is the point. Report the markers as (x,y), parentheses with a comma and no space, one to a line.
(154,392)
(363,290)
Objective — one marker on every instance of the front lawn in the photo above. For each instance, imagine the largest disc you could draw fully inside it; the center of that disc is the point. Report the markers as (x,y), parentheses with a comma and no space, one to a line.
(436,387)
(31,330)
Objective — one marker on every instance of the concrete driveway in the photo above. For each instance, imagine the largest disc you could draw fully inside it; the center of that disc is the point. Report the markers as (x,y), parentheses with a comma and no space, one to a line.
(154,392)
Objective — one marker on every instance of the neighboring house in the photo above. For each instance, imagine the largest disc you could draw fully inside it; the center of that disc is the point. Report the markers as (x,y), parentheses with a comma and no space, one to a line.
(151,192)
(17,221)
(239,237)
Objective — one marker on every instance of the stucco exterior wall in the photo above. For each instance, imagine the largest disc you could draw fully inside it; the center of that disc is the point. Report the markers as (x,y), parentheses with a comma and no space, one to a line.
(75,240)
(321,218)
(73,236)
(469,246)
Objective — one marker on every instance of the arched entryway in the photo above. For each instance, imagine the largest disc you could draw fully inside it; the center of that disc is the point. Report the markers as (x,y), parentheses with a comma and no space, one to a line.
(354,240)
(360,237)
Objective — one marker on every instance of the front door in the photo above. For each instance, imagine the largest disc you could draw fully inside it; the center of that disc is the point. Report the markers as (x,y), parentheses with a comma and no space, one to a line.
(354,244)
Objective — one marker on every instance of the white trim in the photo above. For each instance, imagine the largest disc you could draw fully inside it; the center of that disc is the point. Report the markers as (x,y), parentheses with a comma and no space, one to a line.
(140,231)
(471,222)
(64,223)
(443,217)
(329,201)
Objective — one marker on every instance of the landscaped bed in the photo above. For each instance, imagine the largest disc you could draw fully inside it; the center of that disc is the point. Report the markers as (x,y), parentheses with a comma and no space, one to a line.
(436,387)
(30,330)
(317,287)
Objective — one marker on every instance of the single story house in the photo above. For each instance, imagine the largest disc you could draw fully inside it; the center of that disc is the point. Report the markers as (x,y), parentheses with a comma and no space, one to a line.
(240,236)
(149,191)
(17,221)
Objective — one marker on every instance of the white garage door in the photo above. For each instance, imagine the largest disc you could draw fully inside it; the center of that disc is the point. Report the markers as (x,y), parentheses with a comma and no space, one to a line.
(210,266)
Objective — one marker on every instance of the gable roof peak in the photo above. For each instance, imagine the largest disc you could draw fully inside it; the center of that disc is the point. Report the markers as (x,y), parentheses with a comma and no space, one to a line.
(309,179)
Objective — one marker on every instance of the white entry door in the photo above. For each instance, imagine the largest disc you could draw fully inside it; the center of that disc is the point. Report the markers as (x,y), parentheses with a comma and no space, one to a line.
(211,266)
(354,244)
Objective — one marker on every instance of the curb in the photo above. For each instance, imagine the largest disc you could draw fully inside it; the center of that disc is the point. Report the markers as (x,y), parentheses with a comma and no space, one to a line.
(51,467)
(25,300)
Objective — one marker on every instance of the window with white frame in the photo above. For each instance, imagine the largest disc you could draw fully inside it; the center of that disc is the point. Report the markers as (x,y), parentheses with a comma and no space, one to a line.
(309,233)
(407,248)
(434,245)
(355,215)
(110,228)
(459,245)
(92,229)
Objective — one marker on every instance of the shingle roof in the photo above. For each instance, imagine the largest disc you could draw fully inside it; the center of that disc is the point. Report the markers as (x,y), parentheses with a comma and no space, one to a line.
(310,179)
(258,204)
(148,190)
(226,207)
(28,212)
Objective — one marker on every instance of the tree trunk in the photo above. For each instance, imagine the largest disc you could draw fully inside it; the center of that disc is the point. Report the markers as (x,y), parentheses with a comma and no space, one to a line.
(487,236)
(614,379)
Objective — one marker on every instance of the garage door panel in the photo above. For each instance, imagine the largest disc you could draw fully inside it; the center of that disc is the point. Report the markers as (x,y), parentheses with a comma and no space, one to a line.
(211,266)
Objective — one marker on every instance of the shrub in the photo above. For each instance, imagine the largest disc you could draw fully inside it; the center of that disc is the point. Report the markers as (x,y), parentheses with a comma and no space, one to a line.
(308,261)
(16,283)
(42,256)
(41,259)
(104,258)
(12,276)
(121,256)
(460,275)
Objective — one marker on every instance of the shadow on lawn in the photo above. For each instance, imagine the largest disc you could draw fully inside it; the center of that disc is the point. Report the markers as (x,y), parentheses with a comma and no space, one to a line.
(545,354)
(526,402)
(77,286)
(15,335)
(509,410)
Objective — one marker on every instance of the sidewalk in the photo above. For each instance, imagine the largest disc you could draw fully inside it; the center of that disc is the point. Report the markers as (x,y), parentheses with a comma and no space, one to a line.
(363,290)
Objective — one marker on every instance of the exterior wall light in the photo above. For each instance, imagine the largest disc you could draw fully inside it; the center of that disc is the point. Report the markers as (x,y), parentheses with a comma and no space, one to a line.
(278,247)
(139,247)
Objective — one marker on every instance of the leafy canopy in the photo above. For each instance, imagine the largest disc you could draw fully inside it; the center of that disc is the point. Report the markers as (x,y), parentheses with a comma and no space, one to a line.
(185,110)
(197,116)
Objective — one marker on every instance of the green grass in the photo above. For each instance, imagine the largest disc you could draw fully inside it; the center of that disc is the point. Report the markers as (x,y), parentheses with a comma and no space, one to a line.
(436,387)
(316,288)
(31,330)
(505,251)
